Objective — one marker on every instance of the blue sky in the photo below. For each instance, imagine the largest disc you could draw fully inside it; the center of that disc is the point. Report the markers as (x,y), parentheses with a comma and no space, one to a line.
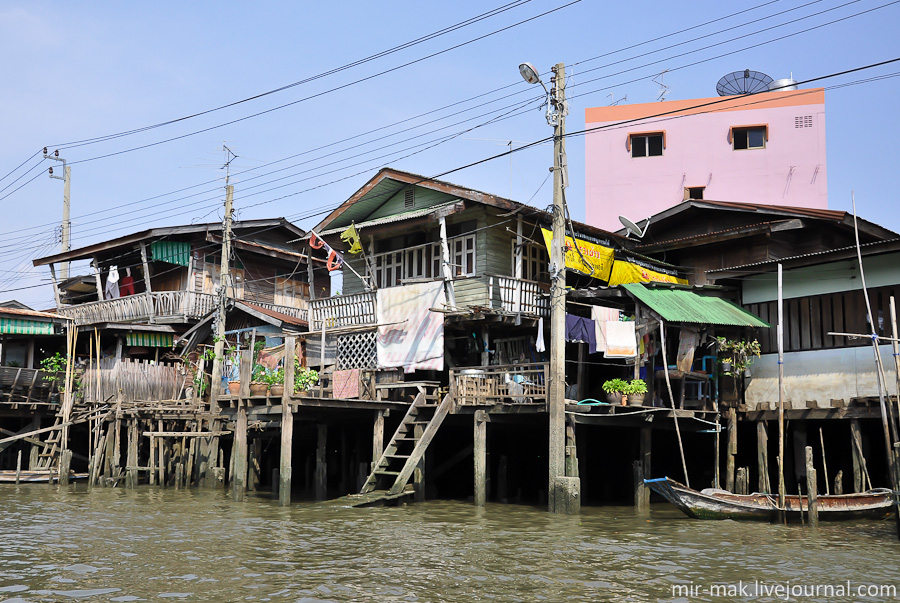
(76,71)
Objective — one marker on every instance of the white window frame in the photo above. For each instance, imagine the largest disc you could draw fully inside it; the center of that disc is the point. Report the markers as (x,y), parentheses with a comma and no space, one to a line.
(535,261)
(463,255)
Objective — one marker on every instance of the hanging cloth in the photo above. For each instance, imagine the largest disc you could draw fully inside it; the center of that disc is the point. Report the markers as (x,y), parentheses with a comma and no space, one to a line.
(600,315)
(112,283)
(580,329)
(539,342)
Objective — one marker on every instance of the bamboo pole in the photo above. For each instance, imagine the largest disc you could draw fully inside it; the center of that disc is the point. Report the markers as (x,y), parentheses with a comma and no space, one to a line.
(895,349)
(662,336)
(824,464)
(780,336)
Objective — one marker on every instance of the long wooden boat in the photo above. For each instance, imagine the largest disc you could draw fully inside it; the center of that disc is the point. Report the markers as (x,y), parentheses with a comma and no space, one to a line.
(713,503)
(38,476)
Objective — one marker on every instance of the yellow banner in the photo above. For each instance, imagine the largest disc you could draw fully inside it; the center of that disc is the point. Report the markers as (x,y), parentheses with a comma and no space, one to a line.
(599,257)
(632,270)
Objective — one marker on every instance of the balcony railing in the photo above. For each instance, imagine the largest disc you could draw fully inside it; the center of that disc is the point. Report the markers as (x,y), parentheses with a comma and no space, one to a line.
(187,305)
(510,384)
(518,295)
(342,311)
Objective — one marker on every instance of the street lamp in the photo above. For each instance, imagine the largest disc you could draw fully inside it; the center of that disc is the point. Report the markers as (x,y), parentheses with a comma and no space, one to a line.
(564,492)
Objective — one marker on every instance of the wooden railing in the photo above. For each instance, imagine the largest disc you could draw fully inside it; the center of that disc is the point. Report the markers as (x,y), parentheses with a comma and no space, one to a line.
(130,380)
(163,304)
(509,384)
(27,385)
(519,295)
(342,311)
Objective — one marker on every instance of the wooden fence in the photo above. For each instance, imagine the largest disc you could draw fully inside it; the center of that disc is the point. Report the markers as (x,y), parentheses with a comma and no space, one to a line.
(137,380)
(510,384)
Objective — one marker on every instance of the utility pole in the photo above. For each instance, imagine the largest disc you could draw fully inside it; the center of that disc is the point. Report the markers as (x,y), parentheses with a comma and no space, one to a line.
(66,223)
(222,291)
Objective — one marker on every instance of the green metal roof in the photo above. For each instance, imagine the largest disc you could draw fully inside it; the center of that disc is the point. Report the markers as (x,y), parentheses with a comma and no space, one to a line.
(682,305)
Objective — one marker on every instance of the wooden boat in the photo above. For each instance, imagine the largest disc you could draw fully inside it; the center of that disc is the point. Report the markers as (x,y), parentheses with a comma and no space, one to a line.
(38,476)
(713,503)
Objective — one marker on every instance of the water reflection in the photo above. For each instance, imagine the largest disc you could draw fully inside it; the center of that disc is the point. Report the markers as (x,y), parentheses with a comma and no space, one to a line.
(121,545)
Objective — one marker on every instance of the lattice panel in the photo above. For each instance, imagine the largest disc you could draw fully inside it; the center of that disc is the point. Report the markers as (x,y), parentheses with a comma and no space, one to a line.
(357,350)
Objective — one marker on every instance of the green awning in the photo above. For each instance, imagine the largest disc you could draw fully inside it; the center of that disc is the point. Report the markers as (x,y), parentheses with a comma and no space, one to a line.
(18,326)
(153,340)
(681,305)
(171,252)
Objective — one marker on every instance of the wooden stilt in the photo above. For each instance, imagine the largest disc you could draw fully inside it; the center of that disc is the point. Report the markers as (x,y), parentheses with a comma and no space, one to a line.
(152,460)
(18,466)
(239,476)
(640,488)
(860,470)
(642,493)
(131,459)
(839,483)
(824,463)
(731,451)
(480,453)
(571,449)
(117,450)
(161,456)
(65,463)
(377,438)
(419,471)
(285,465)
(762,454)
(742,481)
(322,462)
(812,489)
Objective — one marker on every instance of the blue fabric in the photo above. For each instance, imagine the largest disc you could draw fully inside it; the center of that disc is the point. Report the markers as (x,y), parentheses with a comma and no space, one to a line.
(581,330)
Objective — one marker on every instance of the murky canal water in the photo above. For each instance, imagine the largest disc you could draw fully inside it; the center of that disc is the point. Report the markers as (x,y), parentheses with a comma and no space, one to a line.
(150,544)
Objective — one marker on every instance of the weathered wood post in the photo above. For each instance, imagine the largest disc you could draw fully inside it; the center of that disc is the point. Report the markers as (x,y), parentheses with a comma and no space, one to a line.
(65,462)
(855,447)
(131,457)
(731,451)
(742,481)
(285,466)
(642,469)
(18,466)
(377,437)
(322,462)
(571,448)
(239,475)
(419,471)
(839,483)
(480,453)
(762,445)
(812,489)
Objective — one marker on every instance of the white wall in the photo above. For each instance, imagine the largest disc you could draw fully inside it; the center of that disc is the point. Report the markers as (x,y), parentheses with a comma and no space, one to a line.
(822,375)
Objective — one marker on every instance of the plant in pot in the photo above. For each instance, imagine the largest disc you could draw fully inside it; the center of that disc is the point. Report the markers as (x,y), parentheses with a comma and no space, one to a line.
(258,383)
(304,378)
(636,389)
(275,379)
(615,388)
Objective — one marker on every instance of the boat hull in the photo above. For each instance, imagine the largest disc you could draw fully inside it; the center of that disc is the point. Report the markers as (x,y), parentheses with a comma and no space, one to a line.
(39,476)
(720,504)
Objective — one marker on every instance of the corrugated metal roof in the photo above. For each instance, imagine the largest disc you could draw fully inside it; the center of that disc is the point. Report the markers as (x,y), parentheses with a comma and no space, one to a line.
(18,326)
(682,305)
(407,215)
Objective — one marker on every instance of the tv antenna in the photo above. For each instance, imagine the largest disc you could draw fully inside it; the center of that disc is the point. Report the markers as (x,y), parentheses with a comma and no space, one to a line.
(663,88)
(612,99)
(743,82)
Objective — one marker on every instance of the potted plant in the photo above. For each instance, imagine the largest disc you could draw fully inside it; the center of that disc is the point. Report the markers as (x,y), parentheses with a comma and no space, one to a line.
(615,388)
(275,379)
(636,389)
(739,355)
(258,383)
(304,378)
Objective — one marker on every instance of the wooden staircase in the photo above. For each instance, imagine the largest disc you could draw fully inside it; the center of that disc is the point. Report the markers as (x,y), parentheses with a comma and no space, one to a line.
(394,469)
(48,457)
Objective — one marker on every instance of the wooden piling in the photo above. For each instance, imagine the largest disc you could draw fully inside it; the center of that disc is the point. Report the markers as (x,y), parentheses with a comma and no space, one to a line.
(285,465)
(812,489)
(322,462)
(239,476)
(762,445)
(839,483)
(860,470)
(824,463)
(571,448)
(637,469)
(377,437)
(152,460)
(65,464)
(131,456)
(642,493)
(480,453)
(731,451)
(419,471)
(18,466)
(742,481)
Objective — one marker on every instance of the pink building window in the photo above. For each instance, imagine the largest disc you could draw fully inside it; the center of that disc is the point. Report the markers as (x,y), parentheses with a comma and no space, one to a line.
(749,137)
(646,144)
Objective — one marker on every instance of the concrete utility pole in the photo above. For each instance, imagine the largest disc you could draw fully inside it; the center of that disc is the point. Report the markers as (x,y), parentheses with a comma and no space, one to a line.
(66,223)
(222,293)
(563,491)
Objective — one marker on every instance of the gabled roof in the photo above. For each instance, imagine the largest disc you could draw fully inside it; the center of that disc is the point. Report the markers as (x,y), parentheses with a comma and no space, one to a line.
(389,181)
(90,251)
(770,217)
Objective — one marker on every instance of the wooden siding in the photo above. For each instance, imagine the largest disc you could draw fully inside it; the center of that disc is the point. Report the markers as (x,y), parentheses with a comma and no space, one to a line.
(396,204)
(808,320)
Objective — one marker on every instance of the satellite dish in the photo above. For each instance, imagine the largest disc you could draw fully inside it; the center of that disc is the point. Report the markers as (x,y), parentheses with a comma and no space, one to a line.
(743,82)
(633,228)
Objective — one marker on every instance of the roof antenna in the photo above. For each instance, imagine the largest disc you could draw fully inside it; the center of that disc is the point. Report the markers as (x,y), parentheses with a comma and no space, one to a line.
(663,88)
(632,228)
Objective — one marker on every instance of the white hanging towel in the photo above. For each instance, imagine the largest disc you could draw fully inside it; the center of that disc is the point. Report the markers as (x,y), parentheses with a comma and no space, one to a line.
(600,315)
(620,339)
(539,342)
(112,283)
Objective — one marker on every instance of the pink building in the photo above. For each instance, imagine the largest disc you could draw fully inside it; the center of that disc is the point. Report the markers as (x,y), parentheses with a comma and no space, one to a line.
(767,148)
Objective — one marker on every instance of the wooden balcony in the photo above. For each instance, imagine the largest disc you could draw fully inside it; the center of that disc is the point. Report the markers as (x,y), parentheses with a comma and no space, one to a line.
(342,311)
(500,384)
(519,295)
(162,307)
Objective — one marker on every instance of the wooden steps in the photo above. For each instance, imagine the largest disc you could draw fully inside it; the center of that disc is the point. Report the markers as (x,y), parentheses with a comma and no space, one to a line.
(406,449)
